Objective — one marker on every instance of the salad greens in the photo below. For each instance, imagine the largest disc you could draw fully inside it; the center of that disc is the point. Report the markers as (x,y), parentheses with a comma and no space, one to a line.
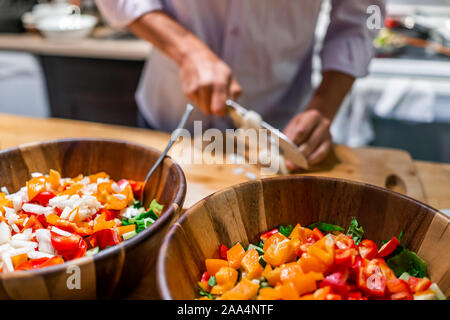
(355,231)
(286,230)
(145,219)
(325,227)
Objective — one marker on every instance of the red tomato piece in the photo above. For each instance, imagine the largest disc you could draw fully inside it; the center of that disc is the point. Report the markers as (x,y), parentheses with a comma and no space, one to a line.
(388,247)
(343,257)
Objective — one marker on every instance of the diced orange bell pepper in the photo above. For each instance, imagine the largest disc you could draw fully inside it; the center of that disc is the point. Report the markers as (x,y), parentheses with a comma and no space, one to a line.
(268,294)
(300,233)
(226,277)
(288,291)
(93,177)
(72,190)
(214,265)
(250,263)
(235,255)
(289,271)
(244,290)
(272,276)
(35,186)
(54,178)
(305,283)
(52,219)
(280,253)
(274,239)
(19,259)
(125,229)
(310,263)
(116,203)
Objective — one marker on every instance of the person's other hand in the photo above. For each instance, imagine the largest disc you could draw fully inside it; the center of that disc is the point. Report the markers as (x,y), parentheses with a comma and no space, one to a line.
(310,130)
(208,81)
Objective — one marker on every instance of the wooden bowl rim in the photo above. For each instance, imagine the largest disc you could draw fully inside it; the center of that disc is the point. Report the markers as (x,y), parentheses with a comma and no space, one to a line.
(163,286)
(106,253)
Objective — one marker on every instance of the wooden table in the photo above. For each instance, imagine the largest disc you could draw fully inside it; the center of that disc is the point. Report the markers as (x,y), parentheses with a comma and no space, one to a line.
(429,182)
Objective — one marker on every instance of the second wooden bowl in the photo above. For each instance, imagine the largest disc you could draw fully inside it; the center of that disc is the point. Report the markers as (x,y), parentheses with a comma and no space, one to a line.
(114,271)
(243,212)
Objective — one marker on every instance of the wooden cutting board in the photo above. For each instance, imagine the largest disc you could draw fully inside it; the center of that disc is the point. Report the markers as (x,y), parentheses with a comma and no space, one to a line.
(369,165)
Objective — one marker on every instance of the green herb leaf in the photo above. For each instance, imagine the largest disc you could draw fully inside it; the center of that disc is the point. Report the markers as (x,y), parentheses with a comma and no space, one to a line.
(408,261)
(325,227)
(265,284)
(286,231)
(137,204)
(355,231)
(212,281)
(262,262)
(206,294)
(261,244)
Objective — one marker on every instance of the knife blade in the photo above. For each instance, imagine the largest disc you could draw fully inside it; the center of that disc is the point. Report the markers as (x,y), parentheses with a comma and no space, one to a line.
(289,150)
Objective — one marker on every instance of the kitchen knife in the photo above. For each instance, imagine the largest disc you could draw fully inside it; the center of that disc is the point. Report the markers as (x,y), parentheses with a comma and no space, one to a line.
(289,150)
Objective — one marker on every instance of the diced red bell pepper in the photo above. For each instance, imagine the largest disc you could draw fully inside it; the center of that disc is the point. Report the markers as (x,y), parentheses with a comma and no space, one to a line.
(136,186)
(344,242)
(376,285)
(388,248)
(43,198)
(266,235)
(356,266)
(70,247)
(316,234)
(399,289)
(355,295)
(223,251)
(343,257)
(368,249)
(122,183)
(109,214)
(91,241)
(107,238)
(418,285)
(337,281)
(39,263)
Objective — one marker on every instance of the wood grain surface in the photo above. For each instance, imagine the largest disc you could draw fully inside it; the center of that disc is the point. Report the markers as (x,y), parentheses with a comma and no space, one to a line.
(241,213)
(112,272)
(422,180)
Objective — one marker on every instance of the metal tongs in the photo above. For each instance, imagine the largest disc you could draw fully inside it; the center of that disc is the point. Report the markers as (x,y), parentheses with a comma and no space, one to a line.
(289,150)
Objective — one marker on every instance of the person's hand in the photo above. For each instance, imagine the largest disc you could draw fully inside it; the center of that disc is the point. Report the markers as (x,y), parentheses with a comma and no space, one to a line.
(310,130)
(208,81)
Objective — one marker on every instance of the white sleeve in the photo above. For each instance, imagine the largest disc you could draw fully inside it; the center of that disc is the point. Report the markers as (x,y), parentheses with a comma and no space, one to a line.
(348,45)
(120,13)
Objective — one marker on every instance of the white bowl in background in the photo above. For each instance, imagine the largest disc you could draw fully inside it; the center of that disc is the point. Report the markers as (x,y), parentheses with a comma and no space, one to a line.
(66,28)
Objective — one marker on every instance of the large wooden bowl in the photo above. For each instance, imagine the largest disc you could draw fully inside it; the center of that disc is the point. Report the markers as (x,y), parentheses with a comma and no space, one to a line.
(242,212)
(114,271)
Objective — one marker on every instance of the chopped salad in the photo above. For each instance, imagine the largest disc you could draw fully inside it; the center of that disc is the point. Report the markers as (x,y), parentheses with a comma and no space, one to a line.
(319,262)
(52,220)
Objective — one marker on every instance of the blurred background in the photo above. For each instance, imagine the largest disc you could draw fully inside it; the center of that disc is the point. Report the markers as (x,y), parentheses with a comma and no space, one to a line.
(80,68)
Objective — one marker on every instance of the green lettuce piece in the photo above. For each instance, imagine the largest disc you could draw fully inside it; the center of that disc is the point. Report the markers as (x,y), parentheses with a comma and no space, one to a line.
(355,231)
(325,227)
(286,231)
(408,261)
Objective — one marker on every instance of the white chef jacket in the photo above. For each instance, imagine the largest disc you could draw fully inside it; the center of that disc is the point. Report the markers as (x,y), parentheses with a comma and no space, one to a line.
(267,43)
